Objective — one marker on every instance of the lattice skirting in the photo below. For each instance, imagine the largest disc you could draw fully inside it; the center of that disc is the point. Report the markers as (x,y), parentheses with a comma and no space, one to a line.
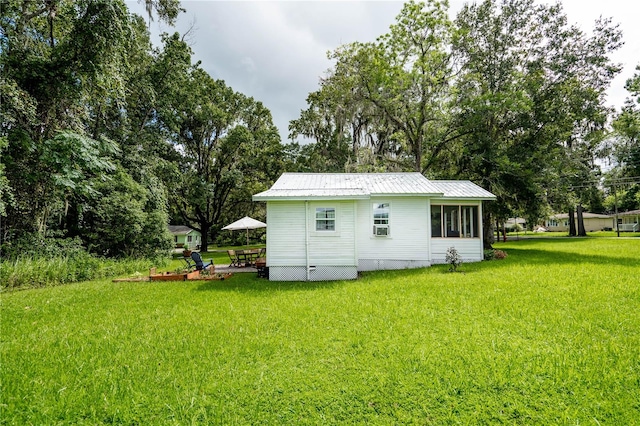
(317,273)
(385,264)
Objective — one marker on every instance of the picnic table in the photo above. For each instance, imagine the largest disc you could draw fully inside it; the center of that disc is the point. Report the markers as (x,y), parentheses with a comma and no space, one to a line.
(248,257)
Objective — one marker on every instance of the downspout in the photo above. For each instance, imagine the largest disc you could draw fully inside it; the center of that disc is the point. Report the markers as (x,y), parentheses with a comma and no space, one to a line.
(306,236)
(481,229)
(429,230)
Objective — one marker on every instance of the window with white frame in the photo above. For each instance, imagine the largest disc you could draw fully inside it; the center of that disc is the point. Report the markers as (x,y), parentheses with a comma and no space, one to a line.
(325,219)
(451,221)
(381,219)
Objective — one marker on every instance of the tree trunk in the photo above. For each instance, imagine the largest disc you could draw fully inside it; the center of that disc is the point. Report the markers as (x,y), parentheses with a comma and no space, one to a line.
(581,231)
(572,223)
(204,230)
(487,231)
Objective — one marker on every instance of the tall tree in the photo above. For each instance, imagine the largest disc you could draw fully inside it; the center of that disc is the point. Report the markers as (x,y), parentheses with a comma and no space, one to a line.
(529,97)
(67,73)
(230,148)
(389,95)
(52,51)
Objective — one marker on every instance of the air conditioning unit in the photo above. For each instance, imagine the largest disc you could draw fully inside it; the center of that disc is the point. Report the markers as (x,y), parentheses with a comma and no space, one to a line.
(380,230)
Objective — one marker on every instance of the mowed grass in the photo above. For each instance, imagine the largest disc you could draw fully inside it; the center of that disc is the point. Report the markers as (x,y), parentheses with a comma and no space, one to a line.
(550,335)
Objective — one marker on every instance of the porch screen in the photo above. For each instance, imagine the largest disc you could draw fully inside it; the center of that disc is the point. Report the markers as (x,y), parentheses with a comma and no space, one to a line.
(454,221)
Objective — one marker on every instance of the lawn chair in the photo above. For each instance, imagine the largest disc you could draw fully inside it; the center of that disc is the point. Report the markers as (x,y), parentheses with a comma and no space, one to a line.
(190,264)
(233,257)
(197,259)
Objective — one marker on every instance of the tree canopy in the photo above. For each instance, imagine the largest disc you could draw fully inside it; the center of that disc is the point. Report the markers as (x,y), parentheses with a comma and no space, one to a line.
(509,95)
(107,138)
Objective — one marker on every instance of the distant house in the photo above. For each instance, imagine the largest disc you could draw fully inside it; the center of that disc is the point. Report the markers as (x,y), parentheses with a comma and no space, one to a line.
(184,235)
(515,222)
(592,222)
(629,221)
(326,226)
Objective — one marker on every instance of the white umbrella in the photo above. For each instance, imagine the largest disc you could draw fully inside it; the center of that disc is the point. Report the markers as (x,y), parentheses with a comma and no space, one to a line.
(245,223)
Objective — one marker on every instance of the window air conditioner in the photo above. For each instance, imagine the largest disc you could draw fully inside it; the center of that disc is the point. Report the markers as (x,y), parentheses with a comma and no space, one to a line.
(380,230)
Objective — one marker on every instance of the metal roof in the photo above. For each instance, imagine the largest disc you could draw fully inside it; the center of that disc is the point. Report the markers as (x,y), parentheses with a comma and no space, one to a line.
(462,189)
(300,186)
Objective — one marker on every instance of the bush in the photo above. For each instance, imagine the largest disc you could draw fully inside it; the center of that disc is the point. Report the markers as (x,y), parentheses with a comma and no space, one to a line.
(499,254)
(516,227)
(493,254)
(453,259)
(489,254)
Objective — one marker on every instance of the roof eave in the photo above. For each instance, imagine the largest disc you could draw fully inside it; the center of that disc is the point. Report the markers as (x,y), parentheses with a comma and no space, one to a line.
(310,197)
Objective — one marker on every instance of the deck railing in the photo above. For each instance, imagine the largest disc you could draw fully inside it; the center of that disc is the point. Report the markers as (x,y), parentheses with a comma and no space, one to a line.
(628,227)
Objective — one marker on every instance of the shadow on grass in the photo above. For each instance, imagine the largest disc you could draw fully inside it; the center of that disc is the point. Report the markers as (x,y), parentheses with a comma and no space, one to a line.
(250,283)
(525,253)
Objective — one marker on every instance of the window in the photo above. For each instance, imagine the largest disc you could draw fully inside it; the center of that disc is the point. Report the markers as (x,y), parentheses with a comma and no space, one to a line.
(381,219)
(189,238)
(451,216)
(469,221)
(454,221)
(325,219)
(436,221)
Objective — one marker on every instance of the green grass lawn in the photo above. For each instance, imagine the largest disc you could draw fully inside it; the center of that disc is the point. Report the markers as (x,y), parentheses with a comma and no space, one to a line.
(549,335)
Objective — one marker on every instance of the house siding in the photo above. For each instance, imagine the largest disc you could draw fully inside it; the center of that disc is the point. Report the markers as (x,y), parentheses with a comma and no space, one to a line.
(285,234)
(407,245)
(470,249)
(331,254)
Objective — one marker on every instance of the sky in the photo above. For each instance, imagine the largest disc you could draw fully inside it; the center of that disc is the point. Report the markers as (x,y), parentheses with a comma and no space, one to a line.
(276,51)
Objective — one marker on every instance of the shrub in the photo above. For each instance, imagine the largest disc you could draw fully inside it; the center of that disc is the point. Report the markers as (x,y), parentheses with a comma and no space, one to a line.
(493,254)
(489,254)
(499,254)
(453,259)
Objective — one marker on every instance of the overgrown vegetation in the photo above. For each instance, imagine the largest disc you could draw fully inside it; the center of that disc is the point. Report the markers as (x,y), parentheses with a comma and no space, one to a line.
(30,262)
(549,335)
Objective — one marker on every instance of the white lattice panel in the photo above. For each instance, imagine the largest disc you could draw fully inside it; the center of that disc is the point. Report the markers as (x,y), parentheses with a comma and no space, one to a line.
(287,273)
(331,273)
(319,273)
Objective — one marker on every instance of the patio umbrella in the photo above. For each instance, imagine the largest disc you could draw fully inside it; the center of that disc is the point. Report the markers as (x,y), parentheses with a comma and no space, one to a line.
(245,223)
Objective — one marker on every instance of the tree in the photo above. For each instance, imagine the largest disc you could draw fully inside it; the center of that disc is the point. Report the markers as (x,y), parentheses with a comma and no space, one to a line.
(230,149)
(77,100)
(529,100)
(624,148)
(51,53)
(388,96)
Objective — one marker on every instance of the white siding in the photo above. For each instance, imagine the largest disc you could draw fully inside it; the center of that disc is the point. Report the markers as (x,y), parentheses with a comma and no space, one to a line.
(285,234)
(408,242)
(286,245)
(470,249)
(333,248)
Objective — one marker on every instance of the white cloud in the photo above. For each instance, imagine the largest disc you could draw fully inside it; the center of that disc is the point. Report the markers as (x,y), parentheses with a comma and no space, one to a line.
(275,51)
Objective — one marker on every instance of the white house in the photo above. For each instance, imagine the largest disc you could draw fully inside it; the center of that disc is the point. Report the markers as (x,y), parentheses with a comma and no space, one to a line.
(629,221)
(324,226)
